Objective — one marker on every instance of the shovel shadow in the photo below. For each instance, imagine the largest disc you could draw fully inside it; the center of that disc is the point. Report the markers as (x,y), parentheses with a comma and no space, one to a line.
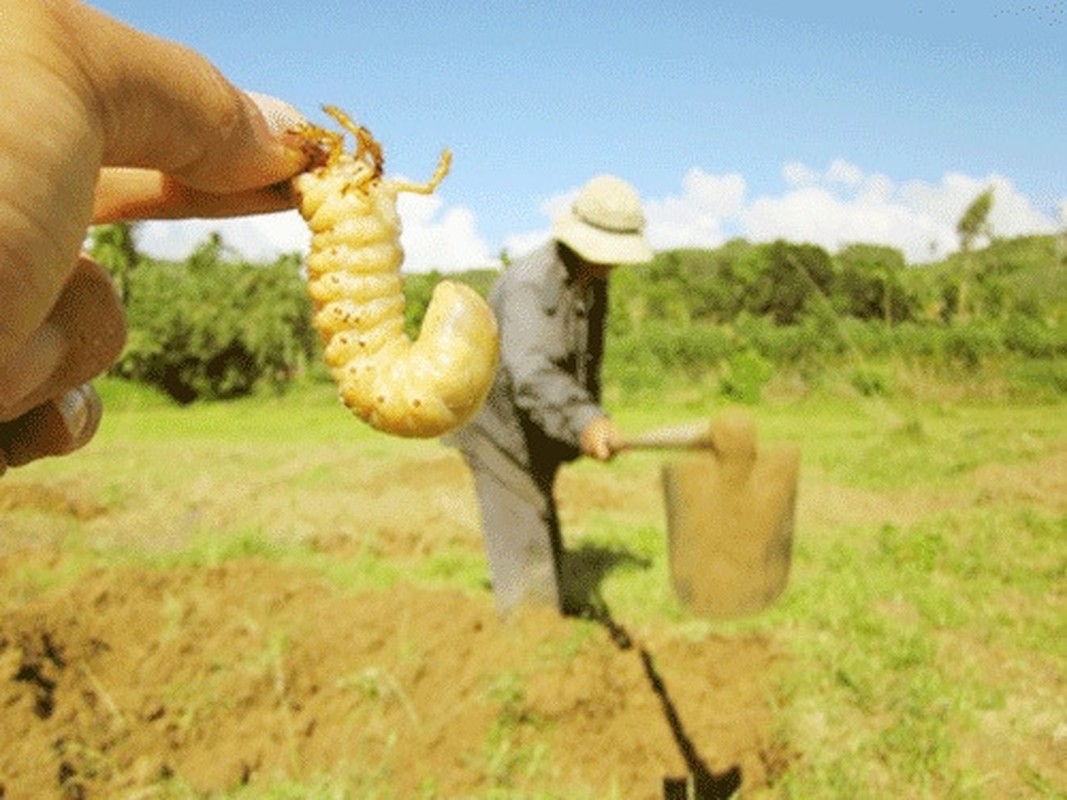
(583,572)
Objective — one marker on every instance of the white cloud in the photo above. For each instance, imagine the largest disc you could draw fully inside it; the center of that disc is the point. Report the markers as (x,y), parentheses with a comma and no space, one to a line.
(842,172)
(437,238)
(692,219)
(819,215)
(434,237)
(834,206)
(699,215)
(257,238)
(521,243)
(796,174)
(837,206)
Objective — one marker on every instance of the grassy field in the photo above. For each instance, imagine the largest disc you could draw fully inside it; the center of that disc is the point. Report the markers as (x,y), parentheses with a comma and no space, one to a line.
(920,647)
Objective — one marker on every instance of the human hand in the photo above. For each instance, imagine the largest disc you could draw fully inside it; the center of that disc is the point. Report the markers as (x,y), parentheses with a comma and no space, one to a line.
(103,122)
(86,328)
(600,439)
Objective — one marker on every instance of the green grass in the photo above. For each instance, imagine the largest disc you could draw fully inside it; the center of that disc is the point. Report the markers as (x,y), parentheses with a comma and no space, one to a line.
(910,638)
(918,620)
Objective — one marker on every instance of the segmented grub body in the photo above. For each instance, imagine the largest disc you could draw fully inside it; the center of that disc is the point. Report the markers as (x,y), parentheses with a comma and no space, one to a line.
(415,388)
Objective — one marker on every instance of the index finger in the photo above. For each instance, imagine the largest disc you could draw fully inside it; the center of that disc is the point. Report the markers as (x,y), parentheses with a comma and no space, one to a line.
(102,93)
(166,107)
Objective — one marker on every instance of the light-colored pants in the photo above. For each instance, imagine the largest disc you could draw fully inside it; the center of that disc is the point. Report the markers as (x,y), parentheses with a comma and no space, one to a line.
(521,532)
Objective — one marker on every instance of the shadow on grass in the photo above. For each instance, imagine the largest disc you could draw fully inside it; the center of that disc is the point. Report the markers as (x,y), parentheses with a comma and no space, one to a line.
(583,572)
(585,568)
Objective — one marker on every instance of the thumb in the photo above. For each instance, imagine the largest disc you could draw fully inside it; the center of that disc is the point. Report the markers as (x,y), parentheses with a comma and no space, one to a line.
(85,331)
(54,428)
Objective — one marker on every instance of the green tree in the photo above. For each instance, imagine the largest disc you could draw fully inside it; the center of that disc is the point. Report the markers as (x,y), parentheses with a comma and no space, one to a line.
(213,328)
(418,290)
(114,247)
(209,254)
(793,277)
(971,226)
(870,283)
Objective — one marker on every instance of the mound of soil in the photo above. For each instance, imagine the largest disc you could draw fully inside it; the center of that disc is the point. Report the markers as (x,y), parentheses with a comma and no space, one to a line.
(249,673)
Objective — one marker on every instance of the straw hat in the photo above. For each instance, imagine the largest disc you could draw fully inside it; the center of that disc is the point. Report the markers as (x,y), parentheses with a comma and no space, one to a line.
(605,223)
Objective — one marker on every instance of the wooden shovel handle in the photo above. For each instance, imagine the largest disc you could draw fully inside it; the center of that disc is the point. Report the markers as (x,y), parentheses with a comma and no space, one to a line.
(686,436)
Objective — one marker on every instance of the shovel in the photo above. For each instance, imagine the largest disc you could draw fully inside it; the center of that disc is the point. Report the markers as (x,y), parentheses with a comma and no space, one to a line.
(730,513)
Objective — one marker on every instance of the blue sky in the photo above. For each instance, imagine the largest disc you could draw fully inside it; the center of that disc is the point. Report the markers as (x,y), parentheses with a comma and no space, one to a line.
(809,121)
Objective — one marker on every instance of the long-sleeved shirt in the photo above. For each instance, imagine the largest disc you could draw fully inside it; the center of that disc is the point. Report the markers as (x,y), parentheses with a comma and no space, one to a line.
(547,386)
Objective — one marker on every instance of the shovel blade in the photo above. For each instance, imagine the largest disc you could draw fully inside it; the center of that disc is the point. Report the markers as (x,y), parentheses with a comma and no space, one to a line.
(730,518)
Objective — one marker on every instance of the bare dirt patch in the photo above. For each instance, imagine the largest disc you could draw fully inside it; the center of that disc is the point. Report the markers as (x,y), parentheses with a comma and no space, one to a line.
(64,500)
(248,673)
(254,672)
(1041,483)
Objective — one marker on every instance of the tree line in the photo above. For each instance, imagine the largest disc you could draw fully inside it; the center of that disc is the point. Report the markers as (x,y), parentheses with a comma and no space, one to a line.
(213,326)
(216,326)
(747,311)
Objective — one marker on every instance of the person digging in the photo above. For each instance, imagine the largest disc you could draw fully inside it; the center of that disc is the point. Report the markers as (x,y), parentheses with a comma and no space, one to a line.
(544,408)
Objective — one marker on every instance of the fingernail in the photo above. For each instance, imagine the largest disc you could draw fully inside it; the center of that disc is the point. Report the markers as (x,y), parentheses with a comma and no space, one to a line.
(281,117)
(81,410)
(283,122)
